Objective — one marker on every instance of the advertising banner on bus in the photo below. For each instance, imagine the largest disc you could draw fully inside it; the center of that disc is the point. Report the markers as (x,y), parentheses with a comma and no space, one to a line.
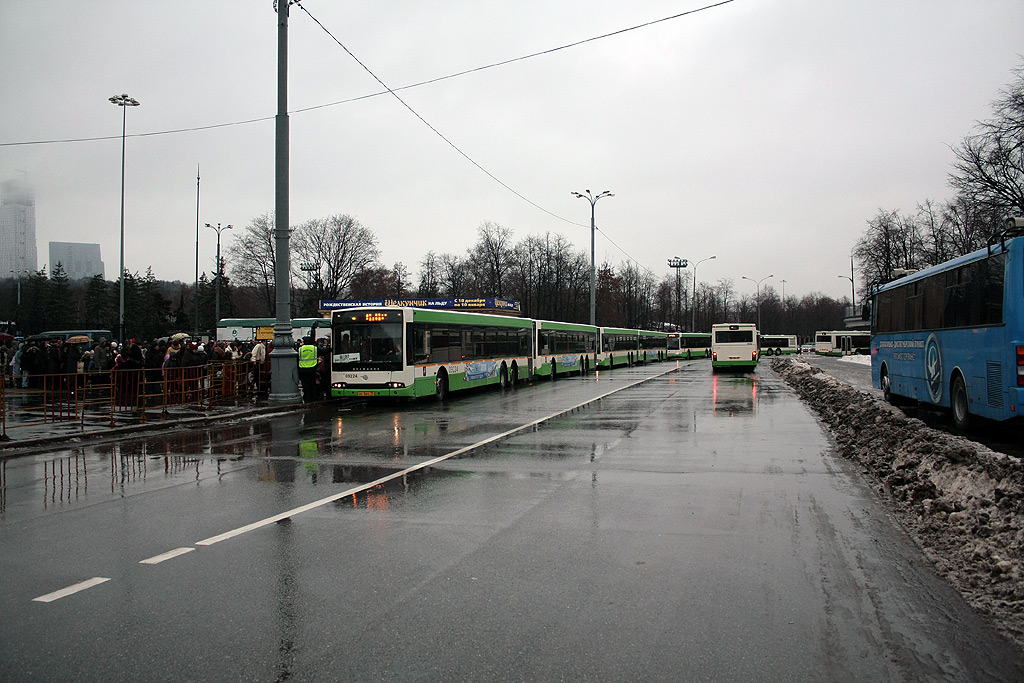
(463,304)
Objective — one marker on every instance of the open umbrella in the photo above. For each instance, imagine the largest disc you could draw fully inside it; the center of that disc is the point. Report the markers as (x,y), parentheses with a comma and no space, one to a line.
(78,339)
(180,335)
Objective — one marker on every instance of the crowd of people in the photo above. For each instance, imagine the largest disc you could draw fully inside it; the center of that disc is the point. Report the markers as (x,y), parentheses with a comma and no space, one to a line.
(29,363)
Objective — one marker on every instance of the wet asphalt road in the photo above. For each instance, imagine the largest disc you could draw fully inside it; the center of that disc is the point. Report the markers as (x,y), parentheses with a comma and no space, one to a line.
(688,527)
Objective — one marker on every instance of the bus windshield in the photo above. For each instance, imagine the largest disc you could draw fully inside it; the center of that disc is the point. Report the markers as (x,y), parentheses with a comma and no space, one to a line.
(367,345)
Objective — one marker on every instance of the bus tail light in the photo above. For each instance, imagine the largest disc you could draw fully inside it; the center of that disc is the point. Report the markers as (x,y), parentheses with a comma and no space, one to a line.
(1020,366)
(714,355)
(753,356)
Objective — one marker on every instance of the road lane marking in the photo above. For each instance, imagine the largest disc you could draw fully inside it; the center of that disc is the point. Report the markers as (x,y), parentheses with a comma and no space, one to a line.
(157,559)
(433,461)
(70,590)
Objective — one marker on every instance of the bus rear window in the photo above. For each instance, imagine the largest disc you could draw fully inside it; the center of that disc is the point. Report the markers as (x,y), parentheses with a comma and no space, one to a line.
(734,336)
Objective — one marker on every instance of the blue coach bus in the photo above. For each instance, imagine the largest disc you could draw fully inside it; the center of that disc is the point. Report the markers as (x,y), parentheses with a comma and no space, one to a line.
(953,335)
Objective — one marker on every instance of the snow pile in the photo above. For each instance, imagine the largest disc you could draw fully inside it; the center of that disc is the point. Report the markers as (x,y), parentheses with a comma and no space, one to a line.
(961,501)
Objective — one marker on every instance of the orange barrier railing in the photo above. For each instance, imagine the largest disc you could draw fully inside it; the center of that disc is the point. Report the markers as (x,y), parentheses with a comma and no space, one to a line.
(104,396)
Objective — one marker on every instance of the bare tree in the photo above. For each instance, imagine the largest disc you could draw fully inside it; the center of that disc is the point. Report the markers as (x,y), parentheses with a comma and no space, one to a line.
(454,276)
(331,252)
(490,258)
(430,276)
(990,163)
(891,242)
(936,245)
(251,257)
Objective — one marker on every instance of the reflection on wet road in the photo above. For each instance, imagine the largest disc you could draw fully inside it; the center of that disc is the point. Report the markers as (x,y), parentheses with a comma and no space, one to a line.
(691,527)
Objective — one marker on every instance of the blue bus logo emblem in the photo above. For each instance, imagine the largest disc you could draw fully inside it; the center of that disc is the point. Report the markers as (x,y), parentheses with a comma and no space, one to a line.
(933,368)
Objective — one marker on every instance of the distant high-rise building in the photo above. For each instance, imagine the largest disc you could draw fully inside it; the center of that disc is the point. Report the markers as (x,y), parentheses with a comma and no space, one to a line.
(78,260)
(17,228)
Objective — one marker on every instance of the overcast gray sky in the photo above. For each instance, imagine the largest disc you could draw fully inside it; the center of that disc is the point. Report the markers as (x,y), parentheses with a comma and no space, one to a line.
(764,132)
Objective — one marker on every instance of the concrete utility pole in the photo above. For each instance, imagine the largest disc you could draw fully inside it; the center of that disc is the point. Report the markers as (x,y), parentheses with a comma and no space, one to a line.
(284,359)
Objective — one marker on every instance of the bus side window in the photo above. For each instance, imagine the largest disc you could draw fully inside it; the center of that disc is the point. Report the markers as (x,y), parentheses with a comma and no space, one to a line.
(417,351)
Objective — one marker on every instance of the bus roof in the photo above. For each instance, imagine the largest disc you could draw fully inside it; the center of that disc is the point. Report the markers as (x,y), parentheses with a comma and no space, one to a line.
(948,265)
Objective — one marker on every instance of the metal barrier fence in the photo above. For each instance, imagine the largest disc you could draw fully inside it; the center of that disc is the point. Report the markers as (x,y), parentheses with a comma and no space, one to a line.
(104,396)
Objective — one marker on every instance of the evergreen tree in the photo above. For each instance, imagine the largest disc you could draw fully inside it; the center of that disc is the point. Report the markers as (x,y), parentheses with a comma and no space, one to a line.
(56,303)
(99,314)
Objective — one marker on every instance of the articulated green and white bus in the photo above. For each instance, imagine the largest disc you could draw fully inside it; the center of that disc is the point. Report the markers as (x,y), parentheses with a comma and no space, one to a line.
(688,345)
(412,352)
(405,352)
(779,344)
(564,348)
(653,346)
(734,346)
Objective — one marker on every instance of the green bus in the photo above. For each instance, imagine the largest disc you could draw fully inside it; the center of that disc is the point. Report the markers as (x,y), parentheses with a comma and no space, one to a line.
(411,352)
(688,345)
(734,346)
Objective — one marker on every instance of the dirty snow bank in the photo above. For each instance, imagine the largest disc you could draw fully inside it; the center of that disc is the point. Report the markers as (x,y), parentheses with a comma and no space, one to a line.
(961,501)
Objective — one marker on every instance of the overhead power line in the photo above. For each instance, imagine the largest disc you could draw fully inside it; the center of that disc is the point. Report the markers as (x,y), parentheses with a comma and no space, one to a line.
(245,122)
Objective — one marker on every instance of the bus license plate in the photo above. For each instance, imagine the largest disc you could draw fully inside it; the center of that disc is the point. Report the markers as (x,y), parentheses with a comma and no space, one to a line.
(365,393)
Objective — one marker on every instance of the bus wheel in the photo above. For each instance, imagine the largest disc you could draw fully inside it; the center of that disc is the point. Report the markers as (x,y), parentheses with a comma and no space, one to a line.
(886,384)
(441,384)
(503,377)
(778,352)
(958,401)
(513,377)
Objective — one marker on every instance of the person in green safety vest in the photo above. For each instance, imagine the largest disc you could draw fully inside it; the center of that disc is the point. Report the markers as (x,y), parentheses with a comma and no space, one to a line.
(307,369)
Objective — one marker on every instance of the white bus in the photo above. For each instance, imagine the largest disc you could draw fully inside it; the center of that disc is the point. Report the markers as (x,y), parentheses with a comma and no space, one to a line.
(734,346)
(779,344)
(842,342)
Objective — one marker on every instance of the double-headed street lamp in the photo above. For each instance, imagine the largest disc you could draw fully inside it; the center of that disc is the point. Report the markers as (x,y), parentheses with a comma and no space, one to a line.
(218,228)
(124,102)
(593,227)
(677,263)
(693,301)
(758,283)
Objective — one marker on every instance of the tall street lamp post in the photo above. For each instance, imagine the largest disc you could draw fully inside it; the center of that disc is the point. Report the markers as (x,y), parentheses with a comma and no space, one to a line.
(693,301)
(593,227)
(758,284)
(677,263)
(853,289)
(124,102)
(218,228)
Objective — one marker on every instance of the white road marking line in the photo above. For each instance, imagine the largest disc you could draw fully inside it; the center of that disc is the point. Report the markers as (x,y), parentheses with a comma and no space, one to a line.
(433,461)
(157,559)
(70,590)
